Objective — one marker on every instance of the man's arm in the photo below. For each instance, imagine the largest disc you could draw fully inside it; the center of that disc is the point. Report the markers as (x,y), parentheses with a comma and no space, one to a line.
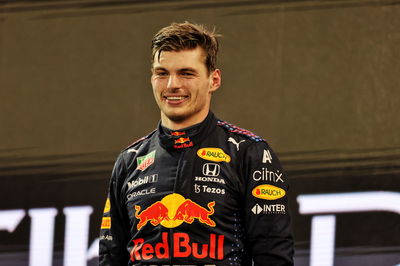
(114,232)
(267,217)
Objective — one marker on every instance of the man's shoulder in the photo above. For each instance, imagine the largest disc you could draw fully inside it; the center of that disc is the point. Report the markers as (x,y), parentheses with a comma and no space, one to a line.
(238,131)
(253,145)
(134,146)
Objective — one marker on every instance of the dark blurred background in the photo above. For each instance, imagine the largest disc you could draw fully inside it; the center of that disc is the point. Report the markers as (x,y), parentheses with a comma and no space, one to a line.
(319,80)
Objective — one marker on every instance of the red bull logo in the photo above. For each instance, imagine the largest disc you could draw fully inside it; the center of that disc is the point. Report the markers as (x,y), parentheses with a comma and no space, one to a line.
(182,247)
(183,143)
(178,133)
(173,210)
(182,140)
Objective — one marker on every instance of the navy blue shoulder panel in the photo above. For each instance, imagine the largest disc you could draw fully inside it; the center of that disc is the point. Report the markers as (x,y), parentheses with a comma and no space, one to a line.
(140,140)
(240,131)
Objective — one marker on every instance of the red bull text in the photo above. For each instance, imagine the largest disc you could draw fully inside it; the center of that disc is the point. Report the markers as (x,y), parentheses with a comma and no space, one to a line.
(182,247)
(183,143)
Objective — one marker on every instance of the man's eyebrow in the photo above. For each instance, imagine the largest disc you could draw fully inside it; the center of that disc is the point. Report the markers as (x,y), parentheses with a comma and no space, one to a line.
(159,69)
(187,69)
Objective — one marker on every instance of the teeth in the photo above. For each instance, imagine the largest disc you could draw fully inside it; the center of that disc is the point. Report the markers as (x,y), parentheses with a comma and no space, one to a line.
(176,98)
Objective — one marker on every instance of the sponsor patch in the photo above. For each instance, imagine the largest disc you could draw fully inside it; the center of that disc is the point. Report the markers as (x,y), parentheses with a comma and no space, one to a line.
(106,223)
(178,133)
(143,180)
(178,245)
(269,209)
(213,154)
(145,161)
(268,192)
(173,210)
(209,179)
(106,237)
(132,150)
(265,175)
(182,143)
(232,140)
(142,192)
(208,189)
(107,206)
(267,157)
(211,169)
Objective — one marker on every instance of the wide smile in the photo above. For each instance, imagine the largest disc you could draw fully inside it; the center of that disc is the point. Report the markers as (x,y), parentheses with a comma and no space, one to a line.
(175,100)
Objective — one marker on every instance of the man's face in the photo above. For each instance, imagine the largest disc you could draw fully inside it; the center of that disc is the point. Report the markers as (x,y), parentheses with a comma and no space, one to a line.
(182,86)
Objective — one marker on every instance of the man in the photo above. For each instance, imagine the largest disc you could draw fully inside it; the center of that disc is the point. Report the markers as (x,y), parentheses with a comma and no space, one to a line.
(197,190)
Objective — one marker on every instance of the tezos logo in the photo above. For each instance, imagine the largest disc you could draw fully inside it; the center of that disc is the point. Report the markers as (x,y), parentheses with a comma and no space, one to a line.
(213,154)
(268,192)
(145,161)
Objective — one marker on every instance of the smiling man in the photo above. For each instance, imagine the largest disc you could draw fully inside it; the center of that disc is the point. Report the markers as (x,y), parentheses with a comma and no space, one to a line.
(197,190)
(183,83)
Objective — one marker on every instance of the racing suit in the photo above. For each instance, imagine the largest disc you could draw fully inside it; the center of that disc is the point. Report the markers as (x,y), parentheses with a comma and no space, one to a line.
(210,194)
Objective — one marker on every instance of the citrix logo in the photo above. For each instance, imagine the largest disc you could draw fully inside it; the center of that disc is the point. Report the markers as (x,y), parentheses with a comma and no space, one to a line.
(266,175)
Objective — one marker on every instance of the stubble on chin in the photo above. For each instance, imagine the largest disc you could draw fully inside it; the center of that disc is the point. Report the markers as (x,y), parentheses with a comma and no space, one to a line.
(175,117)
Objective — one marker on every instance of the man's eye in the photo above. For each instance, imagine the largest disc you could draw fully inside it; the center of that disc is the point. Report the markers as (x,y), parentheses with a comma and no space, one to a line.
(187,74)
(160,74)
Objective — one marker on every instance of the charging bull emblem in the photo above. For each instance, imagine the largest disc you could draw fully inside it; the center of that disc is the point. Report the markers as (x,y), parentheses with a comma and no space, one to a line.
(173,210)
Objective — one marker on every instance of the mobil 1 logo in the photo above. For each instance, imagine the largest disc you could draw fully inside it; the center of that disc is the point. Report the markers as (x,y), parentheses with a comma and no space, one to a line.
(142,180)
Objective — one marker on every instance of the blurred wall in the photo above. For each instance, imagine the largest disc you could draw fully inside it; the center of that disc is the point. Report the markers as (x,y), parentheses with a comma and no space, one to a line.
(318,79)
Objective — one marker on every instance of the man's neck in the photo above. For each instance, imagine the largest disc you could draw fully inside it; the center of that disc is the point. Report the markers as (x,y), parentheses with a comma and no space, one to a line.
(177,125)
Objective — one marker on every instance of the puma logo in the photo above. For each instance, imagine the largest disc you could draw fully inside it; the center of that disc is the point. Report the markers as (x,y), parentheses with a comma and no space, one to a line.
(133,150)
(235,142)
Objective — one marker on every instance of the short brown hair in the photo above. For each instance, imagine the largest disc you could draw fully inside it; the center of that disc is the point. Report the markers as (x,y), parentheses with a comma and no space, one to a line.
(183,36)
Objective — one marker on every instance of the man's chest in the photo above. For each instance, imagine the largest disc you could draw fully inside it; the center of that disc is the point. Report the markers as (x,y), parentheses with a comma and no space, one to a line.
(172,186)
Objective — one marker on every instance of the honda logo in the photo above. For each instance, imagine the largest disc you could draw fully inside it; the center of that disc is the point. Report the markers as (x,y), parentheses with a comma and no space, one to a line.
(211,169)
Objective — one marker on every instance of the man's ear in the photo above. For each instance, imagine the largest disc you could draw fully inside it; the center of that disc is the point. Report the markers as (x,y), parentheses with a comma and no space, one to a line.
(215,80)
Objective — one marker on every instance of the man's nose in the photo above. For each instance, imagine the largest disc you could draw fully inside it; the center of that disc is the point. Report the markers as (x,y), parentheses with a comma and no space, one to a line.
(173,82)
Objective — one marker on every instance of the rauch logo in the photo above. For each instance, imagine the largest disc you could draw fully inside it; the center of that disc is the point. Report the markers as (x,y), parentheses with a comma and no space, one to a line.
(213,154)
(268,192)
